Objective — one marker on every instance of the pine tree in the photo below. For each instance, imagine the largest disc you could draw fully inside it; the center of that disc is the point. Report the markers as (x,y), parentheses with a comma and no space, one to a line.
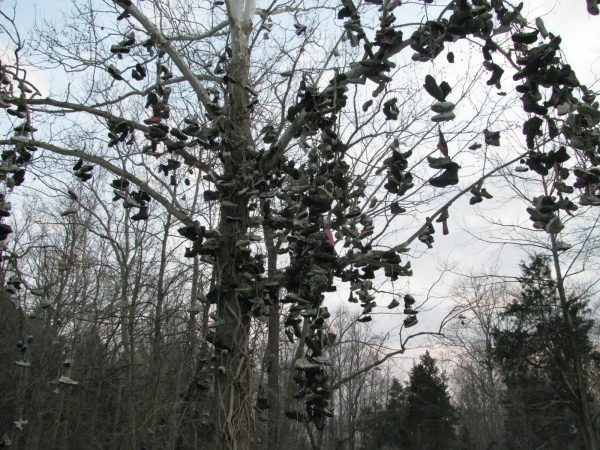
(430,416)
(537,362)
(385,427)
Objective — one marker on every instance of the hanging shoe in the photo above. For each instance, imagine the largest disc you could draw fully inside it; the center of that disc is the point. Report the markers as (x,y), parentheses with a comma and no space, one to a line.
(129,202)
(443,117)
(5,210)
(485,194)
(395,208)
(442,144)
(562,246)
(410,321)
(63,379)
(442,107)
(475,199)
(305,364)
(68,212)
(426,239)
(19,424)
(390,109)
(525,38)
(142,214)
(115,73)
(491,137)
(554,226)
(409,300)
(393,304)
(439,163)
(433,89)
(448,178)
(443,219)
(73,195)
(5,230)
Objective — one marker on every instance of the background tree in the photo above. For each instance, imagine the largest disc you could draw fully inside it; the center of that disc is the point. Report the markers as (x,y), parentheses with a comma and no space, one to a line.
(384,424)
(430,418)
(537,362)
(477,384)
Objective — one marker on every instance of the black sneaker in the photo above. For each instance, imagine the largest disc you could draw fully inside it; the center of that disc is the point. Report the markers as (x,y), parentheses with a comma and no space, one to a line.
(411,321)
(393,304)
(5,230)
(448,178)
(395,208)
(142,214)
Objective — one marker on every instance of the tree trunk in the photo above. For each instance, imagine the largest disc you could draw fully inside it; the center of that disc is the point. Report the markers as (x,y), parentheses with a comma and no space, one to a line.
(588,434)
(272,352)
(233,390)
(157,333)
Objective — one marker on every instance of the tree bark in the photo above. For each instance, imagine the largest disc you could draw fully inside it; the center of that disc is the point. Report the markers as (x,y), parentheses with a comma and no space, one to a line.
(233,390)
(588,435)
(272,352)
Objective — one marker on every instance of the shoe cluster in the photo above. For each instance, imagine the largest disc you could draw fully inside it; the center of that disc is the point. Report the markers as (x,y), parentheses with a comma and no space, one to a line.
(83,171)
(387,36)
(312,380)
(588,180)
(411,313)
(158,100)
(312,100)
(449,176)
(426,235)
(131,199)
(204,242)
(5,229)
(124,46)
(119,131)
(12,170)
(543,216)
(14,106)
(353,27)
(444,110)
(478,193)
(398,181)
(540,68)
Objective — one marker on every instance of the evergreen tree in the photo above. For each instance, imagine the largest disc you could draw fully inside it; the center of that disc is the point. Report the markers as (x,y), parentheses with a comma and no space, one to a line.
(386,427)
(430,417)
(537,364)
